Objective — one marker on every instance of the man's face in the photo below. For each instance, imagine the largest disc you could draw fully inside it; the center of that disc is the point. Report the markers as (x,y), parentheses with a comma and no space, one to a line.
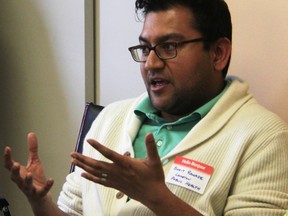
(180,85)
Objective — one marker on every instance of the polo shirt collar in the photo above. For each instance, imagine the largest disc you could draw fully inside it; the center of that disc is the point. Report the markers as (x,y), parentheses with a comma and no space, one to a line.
(145,108)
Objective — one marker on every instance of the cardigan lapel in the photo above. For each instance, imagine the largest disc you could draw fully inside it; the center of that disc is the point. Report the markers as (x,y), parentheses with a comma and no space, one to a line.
(234,98)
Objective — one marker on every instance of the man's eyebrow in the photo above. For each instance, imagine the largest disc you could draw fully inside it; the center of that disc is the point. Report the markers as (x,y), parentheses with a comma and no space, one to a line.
(142,39)
(163,38)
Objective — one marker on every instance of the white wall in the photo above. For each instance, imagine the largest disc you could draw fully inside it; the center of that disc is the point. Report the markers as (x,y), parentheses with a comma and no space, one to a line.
(41,86)
(260,51)
(119,74)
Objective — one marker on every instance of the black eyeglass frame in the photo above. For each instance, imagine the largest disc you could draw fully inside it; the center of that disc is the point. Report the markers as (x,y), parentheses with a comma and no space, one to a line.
(176,44)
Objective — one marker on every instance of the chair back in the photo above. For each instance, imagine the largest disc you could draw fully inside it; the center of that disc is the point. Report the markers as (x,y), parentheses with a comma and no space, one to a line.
(90,113)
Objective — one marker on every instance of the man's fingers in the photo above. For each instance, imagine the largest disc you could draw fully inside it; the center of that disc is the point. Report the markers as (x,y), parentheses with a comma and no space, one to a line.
(152,152)
(47,187)
(106,152)
(8,163)
(15,173)
(32,147)
(30,189)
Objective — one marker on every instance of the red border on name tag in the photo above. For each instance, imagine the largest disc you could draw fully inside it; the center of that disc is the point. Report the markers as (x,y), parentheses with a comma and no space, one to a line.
(192,164)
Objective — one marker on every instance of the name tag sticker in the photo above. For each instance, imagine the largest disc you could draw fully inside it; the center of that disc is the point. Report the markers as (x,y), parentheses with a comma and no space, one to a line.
(190,174)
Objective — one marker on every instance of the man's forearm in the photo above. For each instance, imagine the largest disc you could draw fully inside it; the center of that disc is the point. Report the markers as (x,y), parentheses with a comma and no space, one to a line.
(46,207)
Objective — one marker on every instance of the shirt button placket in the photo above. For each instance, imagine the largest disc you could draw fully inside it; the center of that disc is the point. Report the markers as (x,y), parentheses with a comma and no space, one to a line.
(159,143)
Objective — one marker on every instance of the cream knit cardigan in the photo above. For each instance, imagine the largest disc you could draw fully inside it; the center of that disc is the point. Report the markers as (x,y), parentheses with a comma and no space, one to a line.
(245,144)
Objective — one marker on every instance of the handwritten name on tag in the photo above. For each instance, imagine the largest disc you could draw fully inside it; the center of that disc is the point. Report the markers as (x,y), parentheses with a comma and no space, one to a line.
(190,174)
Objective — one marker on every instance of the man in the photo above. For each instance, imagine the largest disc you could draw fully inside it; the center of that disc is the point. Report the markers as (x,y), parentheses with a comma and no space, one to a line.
(196,144)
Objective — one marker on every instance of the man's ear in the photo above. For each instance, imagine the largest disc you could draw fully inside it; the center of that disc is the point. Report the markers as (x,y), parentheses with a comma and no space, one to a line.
(221,51)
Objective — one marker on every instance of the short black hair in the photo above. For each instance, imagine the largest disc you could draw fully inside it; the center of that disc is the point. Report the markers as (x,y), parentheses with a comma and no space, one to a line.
(212,17)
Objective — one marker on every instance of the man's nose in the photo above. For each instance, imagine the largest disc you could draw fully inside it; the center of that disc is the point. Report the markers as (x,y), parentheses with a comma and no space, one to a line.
(153,61)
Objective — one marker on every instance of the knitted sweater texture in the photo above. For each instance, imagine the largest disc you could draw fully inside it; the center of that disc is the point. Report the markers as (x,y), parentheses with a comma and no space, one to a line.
(246,145)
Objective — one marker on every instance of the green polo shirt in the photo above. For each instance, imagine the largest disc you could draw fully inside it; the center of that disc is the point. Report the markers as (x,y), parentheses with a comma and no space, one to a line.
(167,134)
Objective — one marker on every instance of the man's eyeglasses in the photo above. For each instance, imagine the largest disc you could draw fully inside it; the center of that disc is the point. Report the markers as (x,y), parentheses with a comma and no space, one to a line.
(164,51)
